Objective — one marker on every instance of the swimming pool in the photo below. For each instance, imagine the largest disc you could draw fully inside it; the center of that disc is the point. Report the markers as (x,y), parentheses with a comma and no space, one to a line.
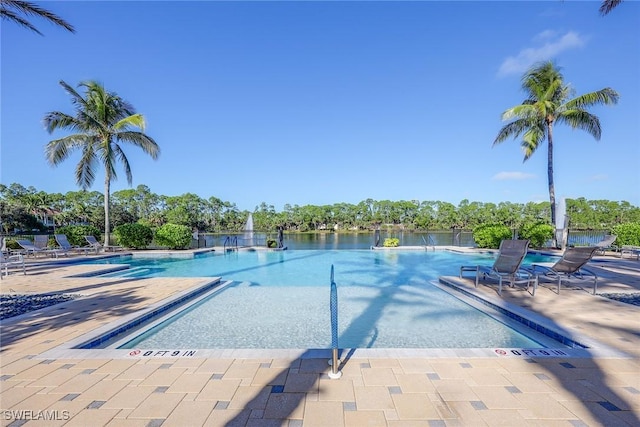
(279,300)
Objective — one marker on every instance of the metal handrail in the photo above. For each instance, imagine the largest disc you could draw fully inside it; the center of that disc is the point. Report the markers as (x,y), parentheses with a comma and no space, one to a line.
(333,304)
(231,241)
(433,243)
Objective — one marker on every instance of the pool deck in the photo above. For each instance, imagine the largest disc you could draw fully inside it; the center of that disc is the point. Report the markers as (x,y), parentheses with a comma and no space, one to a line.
(159,390)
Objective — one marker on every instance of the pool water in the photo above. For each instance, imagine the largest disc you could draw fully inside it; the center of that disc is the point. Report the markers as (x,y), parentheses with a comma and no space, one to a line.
(281,300)
(310,267)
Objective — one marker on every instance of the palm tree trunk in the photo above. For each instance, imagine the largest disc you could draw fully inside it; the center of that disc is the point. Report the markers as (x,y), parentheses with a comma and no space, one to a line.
(107,189)
(552,190)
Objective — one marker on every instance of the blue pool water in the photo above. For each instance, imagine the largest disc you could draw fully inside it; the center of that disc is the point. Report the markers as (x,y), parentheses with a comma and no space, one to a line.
(280,300)
(310,267)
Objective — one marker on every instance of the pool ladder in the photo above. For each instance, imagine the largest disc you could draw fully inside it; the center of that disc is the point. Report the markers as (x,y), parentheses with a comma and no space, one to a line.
(426,245)
(232,242)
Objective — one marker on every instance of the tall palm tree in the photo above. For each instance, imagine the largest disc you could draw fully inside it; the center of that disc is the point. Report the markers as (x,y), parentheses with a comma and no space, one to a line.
(11,10)
(608,5)
(548,102)
(102,121)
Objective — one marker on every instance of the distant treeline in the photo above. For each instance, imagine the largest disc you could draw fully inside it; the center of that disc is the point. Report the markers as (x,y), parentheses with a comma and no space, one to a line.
(27,208)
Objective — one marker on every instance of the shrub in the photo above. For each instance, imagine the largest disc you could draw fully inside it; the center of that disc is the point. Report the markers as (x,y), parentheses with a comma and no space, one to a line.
(174,236)
(490,235)
(391,242)
(538,233)
(628,234)
(75,233)
(134,235)
(12,244)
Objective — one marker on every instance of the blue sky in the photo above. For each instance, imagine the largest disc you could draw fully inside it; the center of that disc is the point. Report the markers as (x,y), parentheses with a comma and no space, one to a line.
(328,102)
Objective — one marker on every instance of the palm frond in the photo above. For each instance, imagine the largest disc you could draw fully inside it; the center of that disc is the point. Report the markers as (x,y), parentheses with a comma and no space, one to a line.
(141,140)
(513,129)
(11,16)
(59,149)
(531,140)
(583,120)
(608,5)
(85,169)
(32,9)
(606,96)
(58,120)
(135,120)
(523,111)
(125,162)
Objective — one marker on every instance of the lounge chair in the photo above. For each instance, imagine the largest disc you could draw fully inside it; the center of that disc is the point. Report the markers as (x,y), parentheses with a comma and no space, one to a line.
(28,248)
(570,265)
(41,241)
(63,242)
(632,251)
(93,242)
(605,243)
(11,261)
(507,266)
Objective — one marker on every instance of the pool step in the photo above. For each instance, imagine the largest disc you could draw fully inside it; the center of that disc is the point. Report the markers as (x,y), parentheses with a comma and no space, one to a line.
(129,272)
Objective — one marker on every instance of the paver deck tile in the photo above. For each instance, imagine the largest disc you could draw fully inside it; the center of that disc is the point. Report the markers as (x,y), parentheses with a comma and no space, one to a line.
(299,382)
(364,418)
(9,398)
(189,383)
(35,372)
(322,414)
(543,406)
(285,406)
(92,417)
(163,377)
(373,398)
(506,418)
(415,383)
(105,389)
(414,406)
(228,417)
(189,414)
(129,397)
(452,389)
(379,376)
(220,390)
(78,383)
(139,371)
(157,406)
(497,397)
(115,366)
(341,391)
(14,367)
(241,370)
(250,397)
(270,376)
(55,378)
(39,401)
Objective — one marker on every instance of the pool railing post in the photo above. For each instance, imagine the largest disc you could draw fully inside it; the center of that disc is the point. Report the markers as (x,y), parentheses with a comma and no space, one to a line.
(334,362)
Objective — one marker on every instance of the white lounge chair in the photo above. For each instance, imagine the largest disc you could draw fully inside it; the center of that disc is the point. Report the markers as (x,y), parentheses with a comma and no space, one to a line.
(507,266)
(93,242)
(28,248)
(606,243)
(570,265)
(11,261)
(63,242)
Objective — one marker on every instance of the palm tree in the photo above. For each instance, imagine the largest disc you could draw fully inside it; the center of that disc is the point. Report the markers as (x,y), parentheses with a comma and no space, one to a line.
(11,10)
(548,102)
(103,121)
(608,5)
